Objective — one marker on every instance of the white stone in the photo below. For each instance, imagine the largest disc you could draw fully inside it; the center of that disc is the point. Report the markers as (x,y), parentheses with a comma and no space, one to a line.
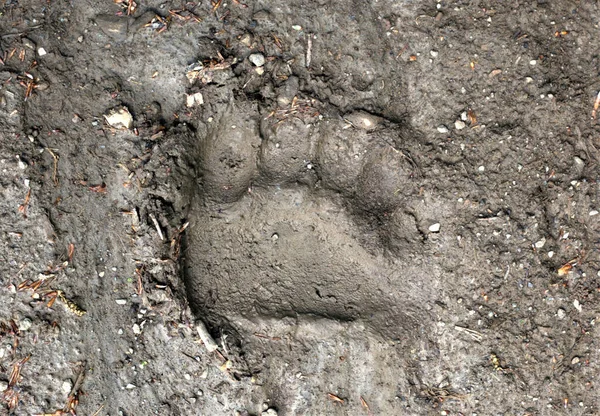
(434,228)
(257,59)
(481,168)
(561,313)
(119,118)
(42,52)
(434,54)
(66,386)
(532,62)
(593,212)
(3,385)
(195,99)
(459,125)
(442,129)
(540,243)
(577,305)
(121,301)
(25,324)
(136,329)
(130,386)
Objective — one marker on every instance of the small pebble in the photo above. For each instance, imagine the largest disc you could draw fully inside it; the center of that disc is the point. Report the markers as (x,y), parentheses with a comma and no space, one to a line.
(434,228)
(193,100)
(442,129)
(246,40)
(269,412)
(434,54)
(561,313)
(575,360)
(257,59)
(130,386)
(593,212)
(66,387)
(540,243)
(550,254)
(119,118)
(3,385)
(22,165)
(577,305)
(459,125)
(532,62)
(25,324)
(481,168)
(121,301)
(136,329)
(42,52)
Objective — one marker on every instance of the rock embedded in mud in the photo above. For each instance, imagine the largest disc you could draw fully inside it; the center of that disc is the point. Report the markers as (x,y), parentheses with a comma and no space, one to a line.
(434,228)
(257,59)
(363,120)
(113,26)
(193,100)
(119,118)
(25,324)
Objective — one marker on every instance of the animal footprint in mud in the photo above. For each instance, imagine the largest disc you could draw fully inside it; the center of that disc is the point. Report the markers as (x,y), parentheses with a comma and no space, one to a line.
(291,246)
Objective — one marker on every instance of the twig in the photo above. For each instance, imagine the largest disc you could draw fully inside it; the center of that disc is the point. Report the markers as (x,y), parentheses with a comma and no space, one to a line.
(55,170)
(98,411)
(596,105)
(24,32)
(308,50)
(157,225)
(205,336)
(477,336)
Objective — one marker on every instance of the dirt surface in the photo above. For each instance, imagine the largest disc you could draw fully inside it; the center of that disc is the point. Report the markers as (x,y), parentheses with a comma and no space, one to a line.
(375,208)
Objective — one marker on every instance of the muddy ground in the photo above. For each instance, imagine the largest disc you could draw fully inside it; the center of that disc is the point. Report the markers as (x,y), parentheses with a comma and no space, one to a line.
(376,208)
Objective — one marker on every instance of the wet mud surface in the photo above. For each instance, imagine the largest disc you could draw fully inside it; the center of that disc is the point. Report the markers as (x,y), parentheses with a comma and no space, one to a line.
(371,208)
